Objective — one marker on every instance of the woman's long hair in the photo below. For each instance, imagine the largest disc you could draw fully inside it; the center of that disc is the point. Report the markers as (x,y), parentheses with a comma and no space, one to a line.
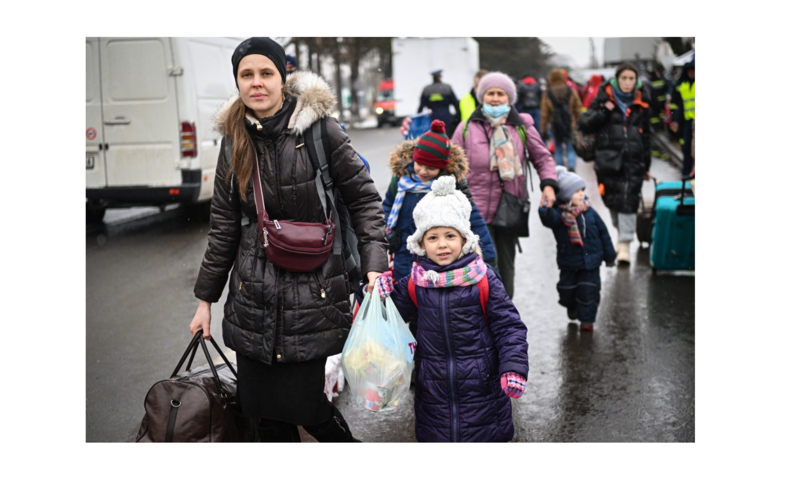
(243,151)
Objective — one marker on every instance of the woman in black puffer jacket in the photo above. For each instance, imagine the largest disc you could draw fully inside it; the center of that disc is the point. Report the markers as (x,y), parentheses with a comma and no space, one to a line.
(619,116)
(283,325)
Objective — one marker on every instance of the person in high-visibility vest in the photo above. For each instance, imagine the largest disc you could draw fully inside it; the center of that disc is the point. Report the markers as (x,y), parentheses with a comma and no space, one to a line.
(683,99)
(469,102)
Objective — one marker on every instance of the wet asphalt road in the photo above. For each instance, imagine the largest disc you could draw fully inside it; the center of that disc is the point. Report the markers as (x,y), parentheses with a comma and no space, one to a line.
(631,380)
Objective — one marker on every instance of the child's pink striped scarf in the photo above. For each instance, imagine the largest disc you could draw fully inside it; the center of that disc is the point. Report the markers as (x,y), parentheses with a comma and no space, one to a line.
(459,277)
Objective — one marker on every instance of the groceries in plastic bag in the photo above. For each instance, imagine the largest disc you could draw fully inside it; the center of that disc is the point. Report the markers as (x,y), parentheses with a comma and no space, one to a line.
(378,355)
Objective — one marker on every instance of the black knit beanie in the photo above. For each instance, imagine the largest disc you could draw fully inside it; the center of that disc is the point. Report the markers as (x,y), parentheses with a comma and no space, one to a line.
(260,46)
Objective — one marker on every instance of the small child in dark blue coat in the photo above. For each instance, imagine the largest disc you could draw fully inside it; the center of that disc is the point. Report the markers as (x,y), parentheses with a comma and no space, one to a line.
(583,244)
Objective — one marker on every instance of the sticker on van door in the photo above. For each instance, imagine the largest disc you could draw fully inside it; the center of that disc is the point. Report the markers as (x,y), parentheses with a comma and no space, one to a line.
(91,133)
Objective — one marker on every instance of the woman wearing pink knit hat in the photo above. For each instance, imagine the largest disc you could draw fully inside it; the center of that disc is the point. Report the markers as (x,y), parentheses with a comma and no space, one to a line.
(497,140)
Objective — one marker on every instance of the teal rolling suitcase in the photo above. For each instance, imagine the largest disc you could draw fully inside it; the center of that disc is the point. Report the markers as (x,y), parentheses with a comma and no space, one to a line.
(672,244)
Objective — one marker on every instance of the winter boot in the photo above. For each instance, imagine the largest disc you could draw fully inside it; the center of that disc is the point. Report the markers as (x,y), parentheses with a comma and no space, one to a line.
(587,326)
(275,431)
(334,430)
(624,252)
(572,313)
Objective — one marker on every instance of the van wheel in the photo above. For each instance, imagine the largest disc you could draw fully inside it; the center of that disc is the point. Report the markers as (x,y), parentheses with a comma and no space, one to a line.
(95,214)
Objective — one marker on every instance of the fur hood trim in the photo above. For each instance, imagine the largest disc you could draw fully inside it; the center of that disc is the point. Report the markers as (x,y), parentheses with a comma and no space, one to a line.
(401,158)
(315,99)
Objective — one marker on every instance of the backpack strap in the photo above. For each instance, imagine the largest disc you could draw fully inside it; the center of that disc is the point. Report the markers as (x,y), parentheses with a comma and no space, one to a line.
(316,139)
(483,292)
(412,290)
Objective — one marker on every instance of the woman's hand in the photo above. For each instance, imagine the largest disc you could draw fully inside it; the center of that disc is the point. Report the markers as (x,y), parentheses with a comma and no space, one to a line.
(202,320)
(548,197)
(371,276)
(647,176)
(609,105)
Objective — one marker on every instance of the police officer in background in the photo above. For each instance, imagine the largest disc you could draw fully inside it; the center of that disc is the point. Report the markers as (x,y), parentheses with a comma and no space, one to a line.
(438,97)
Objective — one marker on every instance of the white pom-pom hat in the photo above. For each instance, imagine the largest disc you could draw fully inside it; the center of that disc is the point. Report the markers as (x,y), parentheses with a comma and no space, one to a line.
(443,206)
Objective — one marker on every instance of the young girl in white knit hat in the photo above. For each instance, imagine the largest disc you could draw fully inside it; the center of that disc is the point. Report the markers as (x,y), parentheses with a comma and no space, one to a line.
(472,352)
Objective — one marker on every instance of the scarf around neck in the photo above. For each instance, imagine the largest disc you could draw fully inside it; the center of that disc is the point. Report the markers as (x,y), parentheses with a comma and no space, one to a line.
(408,182)
(570,218)
(503,153)
(624,100)
(470,274)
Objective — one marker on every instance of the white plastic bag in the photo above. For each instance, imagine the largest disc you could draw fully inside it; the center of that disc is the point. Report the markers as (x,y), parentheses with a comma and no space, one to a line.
(378,355)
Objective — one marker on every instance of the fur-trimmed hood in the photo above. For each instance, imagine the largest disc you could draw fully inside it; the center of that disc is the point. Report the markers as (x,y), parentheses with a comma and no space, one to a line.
(401,158)
(315,99)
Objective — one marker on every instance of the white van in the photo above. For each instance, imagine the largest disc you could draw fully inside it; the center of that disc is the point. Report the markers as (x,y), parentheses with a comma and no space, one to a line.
(150,105)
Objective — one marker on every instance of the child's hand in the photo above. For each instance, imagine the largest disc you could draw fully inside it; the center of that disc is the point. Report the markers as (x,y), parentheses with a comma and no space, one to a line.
(513,384)
(385,284)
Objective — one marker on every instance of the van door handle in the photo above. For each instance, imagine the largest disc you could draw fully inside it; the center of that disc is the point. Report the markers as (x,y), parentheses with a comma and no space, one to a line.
(118,121)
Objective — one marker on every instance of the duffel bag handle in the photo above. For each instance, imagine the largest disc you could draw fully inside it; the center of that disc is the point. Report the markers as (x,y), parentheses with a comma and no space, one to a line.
(198,339)
(224,358)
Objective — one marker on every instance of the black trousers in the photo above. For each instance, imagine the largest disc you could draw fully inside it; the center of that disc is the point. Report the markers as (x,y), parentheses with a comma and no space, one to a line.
(580,289)
(505,244)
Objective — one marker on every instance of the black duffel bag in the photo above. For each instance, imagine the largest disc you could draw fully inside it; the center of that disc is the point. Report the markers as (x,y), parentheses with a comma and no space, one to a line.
(199,406)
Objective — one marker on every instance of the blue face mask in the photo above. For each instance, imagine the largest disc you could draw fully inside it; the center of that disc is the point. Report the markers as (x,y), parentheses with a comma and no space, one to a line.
(496,111)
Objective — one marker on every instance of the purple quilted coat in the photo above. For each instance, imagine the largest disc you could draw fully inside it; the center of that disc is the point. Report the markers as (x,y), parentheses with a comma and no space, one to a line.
(459,359)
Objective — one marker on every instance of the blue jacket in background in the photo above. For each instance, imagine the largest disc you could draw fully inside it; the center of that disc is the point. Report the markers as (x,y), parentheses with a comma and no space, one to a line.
(597,244)
(406,227)
(459,358)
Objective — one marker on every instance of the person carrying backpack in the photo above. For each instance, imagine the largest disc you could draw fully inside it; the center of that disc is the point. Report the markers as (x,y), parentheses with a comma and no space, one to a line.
(561,109)
(498,133)
(415,165)
(530,100)
(472,348)
(283,324)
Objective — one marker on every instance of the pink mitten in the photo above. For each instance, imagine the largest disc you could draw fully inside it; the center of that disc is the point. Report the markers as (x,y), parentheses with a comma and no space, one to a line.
(513,384)
(384,284)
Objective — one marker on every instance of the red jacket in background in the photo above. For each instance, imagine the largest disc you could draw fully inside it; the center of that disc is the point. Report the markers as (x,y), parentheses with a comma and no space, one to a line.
(591,89)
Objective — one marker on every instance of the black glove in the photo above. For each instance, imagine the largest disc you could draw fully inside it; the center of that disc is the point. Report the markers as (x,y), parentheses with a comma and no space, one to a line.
(395,240)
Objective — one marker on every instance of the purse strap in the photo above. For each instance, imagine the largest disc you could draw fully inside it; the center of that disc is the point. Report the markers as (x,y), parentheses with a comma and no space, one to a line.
(259,198)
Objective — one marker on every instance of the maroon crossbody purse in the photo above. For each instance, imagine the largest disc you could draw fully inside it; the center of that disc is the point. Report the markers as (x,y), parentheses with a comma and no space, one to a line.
(292,246)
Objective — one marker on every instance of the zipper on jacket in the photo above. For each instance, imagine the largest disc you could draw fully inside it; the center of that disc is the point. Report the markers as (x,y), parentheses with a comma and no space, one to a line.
(320,285)
(278,314)
(451,369)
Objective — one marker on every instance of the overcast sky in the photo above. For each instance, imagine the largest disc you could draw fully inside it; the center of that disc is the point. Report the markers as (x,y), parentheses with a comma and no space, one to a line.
(578,48)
